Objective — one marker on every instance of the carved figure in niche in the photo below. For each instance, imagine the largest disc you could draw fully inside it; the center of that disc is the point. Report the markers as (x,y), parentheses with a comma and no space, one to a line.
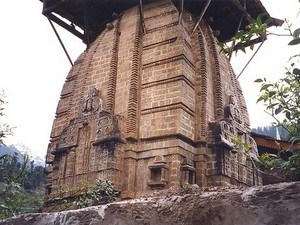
(234,111)
(92,103)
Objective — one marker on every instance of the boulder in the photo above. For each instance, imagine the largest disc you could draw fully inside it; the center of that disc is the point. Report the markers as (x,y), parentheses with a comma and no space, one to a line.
(276,204)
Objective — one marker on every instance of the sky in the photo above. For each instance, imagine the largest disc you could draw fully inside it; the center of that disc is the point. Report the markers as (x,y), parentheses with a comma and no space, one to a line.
(34,67)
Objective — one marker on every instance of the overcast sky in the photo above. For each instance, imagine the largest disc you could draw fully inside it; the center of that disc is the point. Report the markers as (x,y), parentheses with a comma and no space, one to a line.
(33,68)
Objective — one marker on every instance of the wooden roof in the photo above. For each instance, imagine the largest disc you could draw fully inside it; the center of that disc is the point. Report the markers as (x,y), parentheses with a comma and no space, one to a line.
(93,15)
(272,143)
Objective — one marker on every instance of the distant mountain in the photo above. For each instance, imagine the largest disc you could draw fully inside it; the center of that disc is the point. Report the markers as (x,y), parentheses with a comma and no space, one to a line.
(21,149)
(272,131)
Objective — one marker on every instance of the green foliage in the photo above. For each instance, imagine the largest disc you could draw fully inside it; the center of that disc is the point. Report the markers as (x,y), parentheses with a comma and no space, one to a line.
(19,201)
(244,38)
(82,195)
(11,170)
(246,150)
(13,198)
(282,102)
(102,193)
(266,161)
(21,184)
(289,169)
(186,186)
(65,196)
(5,129)
(296,37)
(34,178)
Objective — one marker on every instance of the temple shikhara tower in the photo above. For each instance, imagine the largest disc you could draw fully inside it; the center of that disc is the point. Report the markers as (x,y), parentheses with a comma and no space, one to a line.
(152,103)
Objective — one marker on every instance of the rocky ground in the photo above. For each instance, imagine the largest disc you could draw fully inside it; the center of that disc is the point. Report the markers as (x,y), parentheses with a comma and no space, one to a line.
(264,205)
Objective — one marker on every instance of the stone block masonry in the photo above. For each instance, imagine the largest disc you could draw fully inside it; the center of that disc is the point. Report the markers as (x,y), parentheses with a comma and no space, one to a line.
(151,110)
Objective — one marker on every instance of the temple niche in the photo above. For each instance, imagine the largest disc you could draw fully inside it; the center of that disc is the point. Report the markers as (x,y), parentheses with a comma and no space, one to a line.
(152,103)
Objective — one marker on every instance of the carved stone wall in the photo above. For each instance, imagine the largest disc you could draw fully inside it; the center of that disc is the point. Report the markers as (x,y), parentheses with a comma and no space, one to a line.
(150,110)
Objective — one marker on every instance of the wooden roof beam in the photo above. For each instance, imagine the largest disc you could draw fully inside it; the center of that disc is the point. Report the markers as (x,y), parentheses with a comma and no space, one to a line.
(201,15)
(65,25)
(181,11)
(246,16)
(60,41)
(142,17)
(86,24)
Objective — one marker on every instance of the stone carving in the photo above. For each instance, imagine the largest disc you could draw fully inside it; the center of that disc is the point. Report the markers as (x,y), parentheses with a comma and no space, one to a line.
(106,159)
(158,173)
(223,133)
(234,111)
(48,169)
(87,145)
(189,171)
(188,164)
(69,137)
(107,128)
(49,158)
(168,85)
(50,153)
(88,108)
(92,103)
(230,159)
(253,152)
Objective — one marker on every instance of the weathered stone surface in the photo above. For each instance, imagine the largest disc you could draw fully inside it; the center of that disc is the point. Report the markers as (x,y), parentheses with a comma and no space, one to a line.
(264,205)
(133,96)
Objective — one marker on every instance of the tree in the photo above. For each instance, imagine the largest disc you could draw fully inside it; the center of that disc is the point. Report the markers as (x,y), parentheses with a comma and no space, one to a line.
(12,174)
(5,129)
(282,102)
(271,131)
(281,98)
(15,175)
(255,32)
(34,178)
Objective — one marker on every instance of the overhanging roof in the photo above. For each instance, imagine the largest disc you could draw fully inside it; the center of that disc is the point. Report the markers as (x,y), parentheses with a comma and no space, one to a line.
(273,144)
(97,13)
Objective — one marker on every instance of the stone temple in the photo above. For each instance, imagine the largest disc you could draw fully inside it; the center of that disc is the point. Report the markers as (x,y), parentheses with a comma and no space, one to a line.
(152,103)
